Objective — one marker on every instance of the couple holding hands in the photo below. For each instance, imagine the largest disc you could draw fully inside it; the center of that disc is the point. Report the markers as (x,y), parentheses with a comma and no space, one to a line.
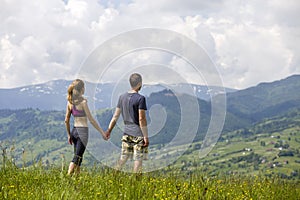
(131,105)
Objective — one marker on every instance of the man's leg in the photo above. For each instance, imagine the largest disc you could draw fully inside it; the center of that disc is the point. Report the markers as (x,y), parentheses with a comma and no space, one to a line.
(126,152)
(121,162)
(138,155)
(137,166)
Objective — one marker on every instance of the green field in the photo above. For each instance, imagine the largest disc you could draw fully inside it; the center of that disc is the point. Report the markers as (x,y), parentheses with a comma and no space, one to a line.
(276,153)
(258,162)
(104,183)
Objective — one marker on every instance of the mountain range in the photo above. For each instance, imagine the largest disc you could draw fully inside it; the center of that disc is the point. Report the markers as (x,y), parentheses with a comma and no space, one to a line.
(244,107)
(265,100)
(52,95)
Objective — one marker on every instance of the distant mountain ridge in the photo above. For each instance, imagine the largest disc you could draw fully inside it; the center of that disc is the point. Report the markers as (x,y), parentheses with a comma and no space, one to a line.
(265,99)
(52,95)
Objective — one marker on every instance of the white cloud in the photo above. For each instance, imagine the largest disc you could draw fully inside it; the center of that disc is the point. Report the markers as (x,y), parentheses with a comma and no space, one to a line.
(250,42)
(6,52)
(255,49)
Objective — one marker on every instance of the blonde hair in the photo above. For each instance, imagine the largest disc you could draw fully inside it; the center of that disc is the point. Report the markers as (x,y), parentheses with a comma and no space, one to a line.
(75,91)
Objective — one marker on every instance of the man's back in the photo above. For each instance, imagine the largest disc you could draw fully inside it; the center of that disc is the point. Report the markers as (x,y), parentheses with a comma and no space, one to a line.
(130,104)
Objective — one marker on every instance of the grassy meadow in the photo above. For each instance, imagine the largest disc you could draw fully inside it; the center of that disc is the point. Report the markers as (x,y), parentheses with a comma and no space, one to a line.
(178,181)
(229,171)
(106,183)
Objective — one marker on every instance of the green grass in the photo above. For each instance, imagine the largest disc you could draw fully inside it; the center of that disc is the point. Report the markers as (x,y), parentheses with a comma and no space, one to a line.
(105,183)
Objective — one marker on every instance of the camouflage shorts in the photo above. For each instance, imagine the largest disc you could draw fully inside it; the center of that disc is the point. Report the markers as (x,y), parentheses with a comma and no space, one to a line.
(133,147)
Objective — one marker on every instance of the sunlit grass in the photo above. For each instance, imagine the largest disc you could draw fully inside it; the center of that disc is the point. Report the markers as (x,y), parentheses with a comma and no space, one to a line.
(39,182)
(105,183)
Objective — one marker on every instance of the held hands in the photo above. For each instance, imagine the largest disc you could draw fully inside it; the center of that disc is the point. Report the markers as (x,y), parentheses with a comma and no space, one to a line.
(104,135)
(107,134)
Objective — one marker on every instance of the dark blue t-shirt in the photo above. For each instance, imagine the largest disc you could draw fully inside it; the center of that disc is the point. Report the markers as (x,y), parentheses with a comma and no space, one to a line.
(130,103)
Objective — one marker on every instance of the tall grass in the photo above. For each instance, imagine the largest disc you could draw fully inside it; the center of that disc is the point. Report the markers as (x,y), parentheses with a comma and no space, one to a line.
(106,183)
(38,182)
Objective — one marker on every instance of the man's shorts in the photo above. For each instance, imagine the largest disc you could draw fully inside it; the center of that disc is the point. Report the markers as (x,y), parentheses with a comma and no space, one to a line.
(133,148)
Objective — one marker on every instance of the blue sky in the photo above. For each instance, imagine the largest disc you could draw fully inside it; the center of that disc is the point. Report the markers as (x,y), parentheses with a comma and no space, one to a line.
(248,41)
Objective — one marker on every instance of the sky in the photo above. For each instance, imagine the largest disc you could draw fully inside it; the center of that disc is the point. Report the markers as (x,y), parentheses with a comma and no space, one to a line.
(248,41)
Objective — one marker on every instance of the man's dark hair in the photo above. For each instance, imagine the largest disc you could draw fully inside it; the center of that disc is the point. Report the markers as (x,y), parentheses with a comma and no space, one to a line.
(135,79)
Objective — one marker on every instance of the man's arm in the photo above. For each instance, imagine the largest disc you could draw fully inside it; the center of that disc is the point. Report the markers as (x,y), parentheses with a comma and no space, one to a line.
(143,125)
(113,121)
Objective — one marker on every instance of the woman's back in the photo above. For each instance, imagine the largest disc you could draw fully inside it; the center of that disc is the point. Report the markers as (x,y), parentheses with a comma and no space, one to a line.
(80,118)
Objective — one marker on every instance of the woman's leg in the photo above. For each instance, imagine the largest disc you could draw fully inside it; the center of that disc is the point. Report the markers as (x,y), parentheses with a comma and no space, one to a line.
(72,167)
(79,151)
(79,143)
(77,170)
(74,163)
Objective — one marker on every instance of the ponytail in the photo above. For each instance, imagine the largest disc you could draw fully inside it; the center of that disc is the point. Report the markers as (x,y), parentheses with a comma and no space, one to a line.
(70,93)
(75,91)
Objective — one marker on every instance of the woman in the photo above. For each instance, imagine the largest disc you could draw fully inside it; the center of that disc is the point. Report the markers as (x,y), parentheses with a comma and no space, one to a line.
(78,107)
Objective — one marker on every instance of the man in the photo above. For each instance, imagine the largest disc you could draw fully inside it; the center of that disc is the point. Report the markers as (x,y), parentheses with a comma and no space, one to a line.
(135,140)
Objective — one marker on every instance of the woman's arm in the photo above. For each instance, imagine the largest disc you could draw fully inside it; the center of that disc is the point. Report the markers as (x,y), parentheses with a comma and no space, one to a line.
(67,122)
(91,118)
